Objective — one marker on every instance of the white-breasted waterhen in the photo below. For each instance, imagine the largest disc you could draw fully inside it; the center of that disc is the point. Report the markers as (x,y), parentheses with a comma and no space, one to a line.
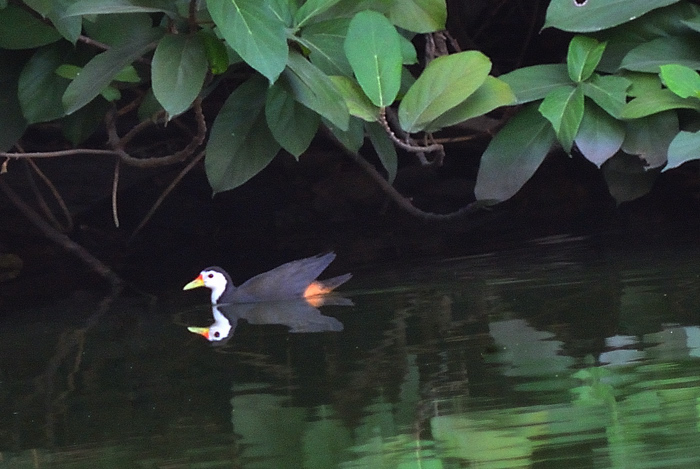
(296,279)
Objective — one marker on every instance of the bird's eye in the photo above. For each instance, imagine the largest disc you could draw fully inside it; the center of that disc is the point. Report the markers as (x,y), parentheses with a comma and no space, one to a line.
(210,275)
(217,334)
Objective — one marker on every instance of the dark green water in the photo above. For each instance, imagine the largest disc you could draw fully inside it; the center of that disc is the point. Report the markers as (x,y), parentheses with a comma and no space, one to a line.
(558,354)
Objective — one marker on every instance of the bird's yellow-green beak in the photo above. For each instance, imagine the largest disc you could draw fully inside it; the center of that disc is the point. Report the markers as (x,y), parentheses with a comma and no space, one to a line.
(198,282)
(203,331)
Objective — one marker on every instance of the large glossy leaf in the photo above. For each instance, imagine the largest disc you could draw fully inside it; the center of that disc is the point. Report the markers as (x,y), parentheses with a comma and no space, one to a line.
(353,137)
(311,9)
(240,145)
(253,30)
(177,71)
(325,41)
(68,26)
(648,56)
(657,101)
(445,83)
(80,125)
(649,137)
(315,90)
(608,92)
(684,147)
(292,124)
(532,83)
(12,122)
(594,15)
(101,7)
(493,93)
(600,135)
(115,30)
(373,48)
(40,88)
(19,29)
(563,107)
(627,177)
(357,102)
(514,155)
(101,69)
(384,147)
(419,16)
(683,81)
(583,57)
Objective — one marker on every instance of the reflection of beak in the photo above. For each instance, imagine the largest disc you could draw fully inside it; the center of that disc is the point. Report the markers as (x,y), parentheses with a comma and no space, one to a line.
(203,331)
(198,282)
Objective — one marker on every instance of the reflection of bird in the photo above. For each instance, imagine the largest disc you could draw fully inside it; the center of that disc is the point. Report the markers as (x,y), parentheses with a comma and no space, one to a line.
(297,314)
(296,279)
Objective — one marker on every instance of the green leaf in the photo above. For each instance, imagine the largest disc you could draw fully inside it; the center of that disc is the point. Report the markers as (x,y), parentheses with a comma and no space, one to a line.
(353,137)
(684,147)
(373,48)
(315,90)
(215,50)
(642,83)
(683,81)
(40,89)
(20,30)
(325,41)
(649,137)
(12,122)
(493,93)
(177,71)
(80,125)
(101,69)
(357,102)
(253,30)
(69,27)
(128,74)
(514,155)
(563,107)
(650,55)
(627,177)
(533,83)
(583,57)
(101,7)
(657,101)
(600,135)
(595,15)
(68,71)
(115,30)
(608,92)
(384,147)
(419,16)
(240,144)
(445,83)
(311,9)
(292,124)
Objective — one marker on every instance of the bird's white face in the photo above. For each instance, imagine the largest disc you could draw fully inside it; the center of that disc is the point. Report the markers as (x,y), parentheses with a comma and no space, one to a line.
(213,280)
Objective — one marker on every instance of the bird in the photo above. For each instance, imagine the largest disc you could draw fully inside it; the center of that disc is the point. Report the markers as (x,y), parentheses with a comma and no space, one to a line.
(295,279)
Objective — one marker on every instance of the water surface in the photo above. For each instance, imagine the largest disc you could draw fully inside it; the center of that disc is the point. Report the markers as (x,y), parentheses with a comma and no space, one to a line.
(557,354)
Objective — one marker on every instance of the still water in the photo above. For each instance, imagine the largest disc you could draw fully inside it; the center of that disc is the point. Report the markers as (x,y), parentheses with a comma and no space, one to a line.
(556,354)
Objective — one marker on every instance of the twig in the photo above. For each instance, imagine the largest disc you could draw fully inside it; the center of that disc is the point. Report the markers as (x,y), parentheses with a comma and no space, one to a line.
(165,193)
(59,238)
(57,196)
(407,146)
(117,144)
(403,203)
(57,154)
(115,185)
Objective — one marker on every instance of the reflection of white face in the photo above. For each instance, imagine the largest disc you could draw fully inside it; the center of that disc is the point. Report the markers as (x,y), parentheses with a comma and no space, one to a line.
(221,327)
(215,281)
